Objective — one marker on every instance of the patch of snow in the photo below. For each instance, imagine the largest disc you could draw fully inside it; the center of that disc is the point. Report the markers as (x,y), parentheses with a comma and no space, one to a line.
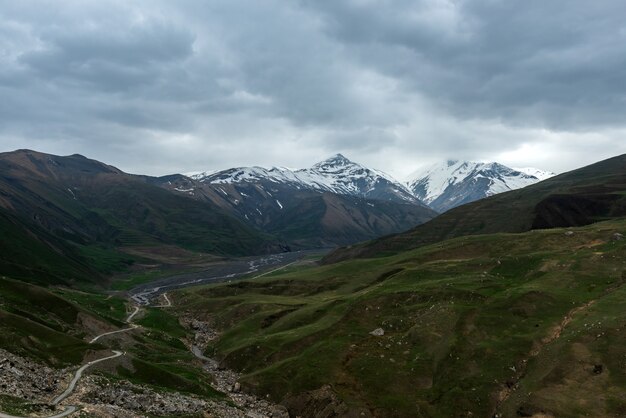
(279,204)
(536,172)
(180,189)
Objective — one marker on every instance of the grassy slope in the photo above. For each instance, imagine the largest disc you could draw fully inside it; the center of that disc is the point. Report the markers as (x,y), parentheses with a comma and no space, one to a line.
(35,255)
(461,318)
(38,323)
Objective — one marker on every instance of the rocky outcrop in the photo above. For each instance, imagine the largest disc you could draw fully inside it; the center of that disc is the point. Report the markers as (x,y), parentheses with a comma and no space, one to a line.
(24,378)
(139,399)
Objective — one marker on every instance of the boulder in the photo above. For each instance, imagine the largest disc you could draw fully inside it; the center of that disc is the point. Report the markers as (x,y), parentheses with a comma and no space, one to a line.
(378,332)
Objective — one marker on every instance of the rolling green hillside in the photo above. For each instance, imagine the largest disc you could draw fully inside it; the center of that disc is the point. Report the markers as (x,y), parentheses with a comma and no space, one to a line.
(38,323)
(517,324)
(580,197)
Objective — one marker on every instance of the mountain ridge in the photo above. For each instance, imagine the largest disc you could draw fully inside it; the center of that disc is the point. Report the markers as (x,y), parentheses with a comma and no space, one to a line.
(336,174)
(441,186)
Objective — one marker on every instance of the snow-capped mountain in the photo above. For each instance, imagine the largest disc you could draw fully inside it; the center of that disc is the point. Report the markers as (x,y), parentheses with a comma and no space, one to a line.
(334,202)
(453,183)
(336,175)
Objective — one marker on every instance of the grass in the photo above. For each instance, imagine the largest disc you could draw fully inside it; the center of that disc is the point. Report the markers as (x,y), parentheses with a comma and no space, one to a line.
(160,320)
(17,406)
(47,325)
(130,280)
(169,378)
(461,319)
(105,260)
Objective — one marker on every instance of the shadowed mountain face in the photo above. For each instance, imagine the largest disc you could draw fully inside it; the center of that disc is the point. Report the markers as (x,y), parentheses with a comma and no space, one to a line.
(73,208)
(303,216)
(580,197)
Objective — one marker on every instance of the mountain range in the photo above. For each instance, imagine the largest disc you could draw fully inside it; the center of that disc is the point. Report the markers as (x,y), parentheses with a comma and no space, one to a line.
(77,209)
(441,187)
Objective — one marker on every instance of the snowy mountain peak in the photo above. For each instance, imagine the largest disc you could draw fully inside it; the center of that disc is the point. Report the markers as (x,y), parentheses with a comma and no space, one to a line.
(452,183)
(336,174)
(335,162)
(338,158)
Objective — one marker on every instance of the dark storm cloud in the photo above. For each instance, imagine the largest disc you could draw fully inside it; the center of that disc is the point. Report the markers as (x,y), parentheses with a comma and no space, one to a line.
(157,86)
(560,63)
(119,61)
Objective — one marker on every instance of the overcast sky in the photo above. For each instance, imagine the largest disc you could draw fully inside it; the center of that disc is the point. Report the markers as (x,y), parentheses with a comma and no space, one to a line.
(158,87)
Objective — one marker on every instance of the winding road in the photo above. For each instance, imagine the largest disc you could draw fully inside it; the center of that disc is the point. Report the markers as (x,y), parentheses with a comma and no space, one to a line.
(79,374)
(128,321)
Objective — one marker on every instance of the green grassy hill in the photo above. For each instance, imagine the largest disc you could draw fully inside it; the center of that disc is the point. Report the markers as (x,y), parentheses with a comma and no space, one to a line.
(580,197)
(517,324)
(37,323)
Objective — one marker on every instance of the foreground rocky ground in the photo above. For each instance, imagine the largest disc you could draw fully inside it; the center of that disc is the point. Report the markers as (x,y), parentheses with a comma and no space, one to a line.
(96,396)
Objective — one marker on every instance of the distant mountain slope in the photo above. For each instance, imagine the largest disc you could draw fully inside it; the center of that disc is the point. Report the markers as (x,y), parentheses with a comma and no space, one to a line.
(580,197)
(453,183)
(336,202)
(73,207)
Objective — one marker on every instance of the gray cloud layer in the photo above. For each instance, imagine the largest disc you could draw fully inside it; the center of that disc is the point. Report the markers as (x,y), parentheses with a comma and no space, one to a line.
(158,87)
